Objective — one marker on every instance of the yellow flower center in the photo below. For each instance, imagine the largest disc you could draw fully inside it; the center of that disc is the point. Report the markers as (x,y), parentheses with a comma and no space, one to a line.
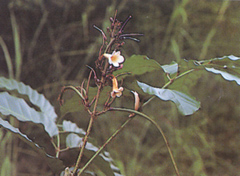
(114,58)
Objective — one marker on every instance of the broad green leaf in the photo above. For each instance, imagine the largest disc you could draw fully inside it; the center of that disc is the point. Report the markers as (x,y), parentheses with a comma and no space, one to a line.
(225,75)
(230,61)
(35,98)
(55,164)
(184,65)
(228,67)
(138,65)
(103,161)
(17,107)
(171,68)
(185,83)
(74,104)
(185,104)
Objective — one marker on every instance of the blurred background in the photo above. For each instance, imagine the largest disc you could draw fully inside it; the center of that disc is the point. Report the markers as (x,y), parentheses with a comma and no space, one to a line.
(55,40)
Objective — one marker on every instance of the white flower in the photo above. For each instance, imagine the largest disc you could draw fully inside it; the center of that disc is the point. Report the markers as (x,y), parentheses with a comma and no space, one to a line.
(115,58)
(115,90)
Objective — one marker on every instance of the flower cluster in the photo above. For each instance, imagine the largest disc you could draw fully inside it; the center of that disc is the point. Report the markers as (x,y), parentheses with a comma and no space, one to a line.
(114,59)
(108,61)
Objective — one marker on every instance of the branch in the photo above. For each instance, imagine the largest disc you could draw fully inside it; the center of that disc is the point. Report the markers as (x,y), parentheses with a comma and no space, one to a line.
(159,129)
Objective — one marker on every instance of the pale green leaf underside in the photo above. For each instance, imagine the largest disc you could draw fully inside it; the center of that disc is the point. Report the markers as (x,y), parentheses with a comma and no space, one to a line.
(72,127)
(225,75)
(228,67)
(230,57)
(103,160)
(73,140)
(171,68)
(55,164)
(35,98)
(185,104)
(17,107)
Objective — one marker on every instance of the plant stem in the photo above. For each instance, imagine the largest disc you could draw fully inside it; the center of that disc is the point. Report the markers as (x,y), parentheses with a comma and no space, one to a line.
(89,125)
(88,130)
(84,144)
(76,90)
(159,129)
(105,144)
(93,115)
(169,83)
(177,77)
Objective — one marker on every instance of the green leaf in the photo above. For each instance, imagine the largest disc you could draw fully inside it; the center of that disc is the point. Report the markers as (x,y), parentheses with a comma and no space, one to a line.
(55,164)
(34,97)
(228,67)
(73,140)
(17,107)
(138,65)
(186,105)
(103,161)
(225,75)
(72,127)
(171,68)
(74,104)
(230,61)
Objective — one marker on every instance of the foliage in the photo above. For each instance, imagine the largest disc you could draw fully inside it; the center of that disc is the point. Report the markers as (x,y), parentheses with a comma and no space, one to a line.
(10,105)
(50,37)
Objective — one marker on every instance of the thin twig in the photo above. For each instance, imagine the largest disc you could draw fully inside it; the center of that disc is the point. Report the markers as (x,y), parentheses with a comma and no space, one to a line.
(105,144)
(169,83)
(83,145)
(159,129)
(93,115)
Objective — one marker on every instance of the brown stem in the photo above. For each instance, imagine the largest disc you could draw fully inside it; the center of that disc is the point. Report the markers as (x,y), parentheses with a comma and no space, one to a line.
(94,112)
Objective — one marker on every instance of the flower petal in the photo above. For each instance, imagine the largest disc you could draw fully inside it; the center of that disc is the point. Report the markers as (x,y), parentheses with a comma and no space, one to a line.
(108,56)
(115,64)
(115,58)
(115,90)
(137,100)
